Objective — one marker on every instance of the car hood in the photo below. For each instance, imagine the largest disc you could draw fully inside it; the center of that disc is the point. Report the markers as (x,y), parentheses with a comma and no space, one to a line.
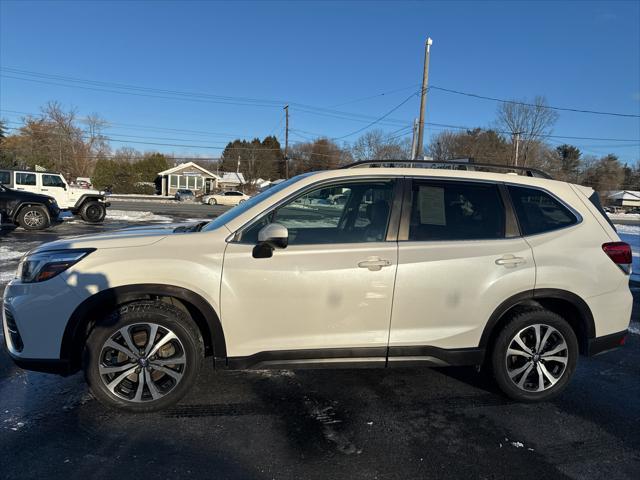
(28,196)
(130,237)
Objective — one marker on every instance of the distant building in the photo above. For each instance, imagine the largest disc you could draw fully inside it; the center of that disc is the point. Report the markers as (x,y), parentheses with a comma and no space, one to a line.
(624,198)
(191,176)
(188,176)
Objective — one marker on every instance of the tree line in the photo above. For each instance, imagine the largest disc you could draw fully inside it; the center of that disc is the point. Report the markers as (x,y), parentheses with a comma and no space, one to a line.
(60,140)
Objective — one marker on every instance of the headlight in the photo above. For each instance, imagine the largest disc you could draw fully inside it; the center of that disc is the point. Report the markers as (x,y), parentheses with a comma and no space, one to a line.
(42,266)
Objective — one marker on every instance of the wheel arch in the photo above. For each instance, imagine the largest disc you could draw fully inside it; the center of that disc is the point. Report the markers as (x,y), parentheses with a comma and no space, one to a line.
(566,304)
(24,205)
(87,197)
(100,304)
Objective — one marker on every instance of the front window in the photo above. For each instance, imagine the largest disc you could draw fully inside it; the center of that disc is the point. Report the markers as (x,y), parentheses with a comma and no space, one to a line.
(52,181)
(345,212)
(235,212)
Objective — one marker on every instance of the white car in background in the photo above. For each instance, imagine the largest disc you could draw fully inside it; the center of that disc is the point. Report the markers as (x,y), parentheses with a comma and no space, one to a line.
(225,198)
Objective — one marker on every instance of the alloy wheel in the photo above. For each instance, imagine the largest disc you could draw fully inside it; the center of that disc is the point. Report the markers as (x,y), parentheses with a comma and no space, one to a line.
(34,219)
(142,362)
(537,358)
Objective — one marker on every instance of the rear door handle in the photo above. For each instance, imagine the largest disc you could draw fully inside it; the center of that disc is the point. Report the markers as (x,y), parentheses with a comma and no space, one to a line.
(374,263)
(510,261)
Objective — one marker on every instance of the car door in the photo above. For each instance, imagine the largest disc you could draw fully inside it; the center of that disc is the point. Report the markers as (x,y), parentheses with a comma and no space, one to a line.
(329,292)
(55,187)
(26,182)
(459,257)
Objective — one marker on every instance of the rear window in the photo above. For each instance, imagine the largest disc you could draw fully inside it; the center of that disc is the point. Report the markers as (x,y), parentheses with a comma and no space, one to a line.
(5,178)
(456,211)
(595,200)
(538,211)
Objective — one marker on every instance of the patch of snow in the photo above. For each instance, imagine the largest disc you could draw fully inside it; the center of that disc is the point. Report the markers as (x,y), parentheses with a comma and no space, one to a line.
(624,216)
(518,444)
(6,277)
(7,253)
(634,328)
(630,229)
(631,235)
(136,216)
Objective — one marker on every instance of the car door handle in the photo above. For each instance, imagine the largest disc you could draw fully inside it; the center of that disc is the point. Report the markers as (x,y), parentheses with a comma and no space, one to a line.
(374,263)
(44,189)
(510,261)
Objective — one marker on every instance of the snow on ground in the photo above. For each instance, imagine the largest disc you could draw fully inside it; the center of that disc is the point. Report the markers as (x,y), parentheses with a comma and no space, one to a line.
(7,253)
(136,216)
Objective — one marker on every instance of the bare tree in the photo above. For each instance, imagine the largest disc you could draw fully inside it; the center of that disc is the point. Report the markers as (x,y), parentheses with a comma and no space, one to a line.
(530,121)
(376,145)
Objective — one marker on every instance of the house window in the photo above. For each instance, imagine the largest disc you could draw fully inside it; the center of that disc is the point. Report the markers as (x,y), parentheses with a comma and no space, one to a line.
(173,181)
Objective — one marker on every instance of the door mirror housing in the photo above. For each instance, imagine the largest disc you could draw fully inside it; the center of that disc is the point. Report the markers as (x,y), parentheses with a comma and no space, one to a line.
(270,237)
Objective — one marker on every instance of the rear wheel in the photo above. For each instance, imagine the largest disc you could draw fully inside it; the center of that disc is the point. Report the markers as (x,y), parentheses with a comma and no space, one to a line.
(534,356)
(33,218)
(93,212)
(144,357)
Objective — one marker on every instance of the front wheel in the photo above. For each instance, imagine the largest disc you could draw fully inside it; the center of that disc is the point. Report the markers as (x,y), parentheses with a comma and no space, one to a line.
(93,212)
(33,217)
(534,356)
(144,357)
(212,201)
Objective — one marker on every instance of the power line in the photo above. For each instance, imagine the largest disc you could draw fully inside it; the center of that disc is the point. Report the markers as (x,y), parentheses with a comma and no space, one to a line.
(390,92)
(379,119)
(515,102)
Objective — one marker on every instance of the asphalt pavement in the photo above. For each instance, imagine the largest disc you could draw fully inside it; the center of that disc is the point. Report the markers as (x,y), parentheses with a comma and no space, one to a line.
(321,424)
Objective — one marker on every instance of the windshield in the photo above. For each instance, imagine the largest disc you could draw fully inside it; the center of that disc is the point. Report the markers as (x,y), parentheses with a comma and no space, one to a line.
(253,201)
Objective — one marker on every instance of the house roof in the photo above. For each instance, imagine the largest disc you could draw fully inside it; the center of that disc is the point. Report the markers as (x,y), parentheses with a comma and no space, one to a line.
(625,195)
(184,166)
(232,177)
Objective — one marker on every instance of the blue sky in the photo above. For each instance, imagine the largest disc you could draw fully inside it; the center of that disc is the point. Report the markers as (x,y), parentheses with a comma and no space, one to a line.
(323,54)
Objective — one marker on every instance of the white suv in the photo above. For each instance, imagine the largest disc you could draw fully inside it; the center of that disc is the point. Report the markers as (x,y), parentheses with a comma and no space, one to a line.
(90,205)
(417,266)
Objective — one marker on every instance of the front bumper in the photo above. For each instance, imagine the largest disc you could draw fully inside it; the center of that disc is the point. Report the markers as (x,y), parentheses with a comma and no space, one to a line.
(34,318)
(608,342)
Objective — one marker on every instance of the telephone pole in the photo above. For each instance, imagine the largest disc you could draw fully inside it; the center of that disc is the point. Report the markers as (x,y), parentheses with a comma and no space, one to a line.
(517,142)
(413,139)
(423,97)
(286,142)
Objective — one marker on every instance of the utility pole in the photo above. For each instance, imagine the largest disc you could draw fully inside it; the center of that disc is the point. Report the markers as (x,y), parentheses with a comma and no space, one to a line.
(413,140)
(517,141)
(286,142)
(423,97)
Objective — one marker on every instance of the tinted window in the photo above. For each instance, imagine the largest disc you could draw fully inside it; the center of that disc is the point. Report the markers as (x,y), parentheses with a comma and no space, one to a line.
(455,211)
(5,178)
(52,181)
(25,178)
(362,214)
(595,200)
(538,211)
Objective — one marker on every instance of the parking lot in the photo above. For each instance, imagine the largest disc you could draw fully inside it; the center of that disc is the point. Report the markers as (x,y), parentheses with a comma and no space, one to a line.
(396,423)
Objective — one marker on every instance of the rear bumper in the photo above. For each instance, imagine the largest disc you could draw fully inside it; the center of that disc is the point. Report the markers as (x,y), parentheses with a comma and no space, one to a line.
(608,342)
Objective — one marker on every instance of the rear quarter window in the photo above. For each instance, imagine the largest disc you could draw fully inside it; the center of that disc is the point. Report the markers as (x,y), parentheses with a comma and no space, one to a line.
(538,211)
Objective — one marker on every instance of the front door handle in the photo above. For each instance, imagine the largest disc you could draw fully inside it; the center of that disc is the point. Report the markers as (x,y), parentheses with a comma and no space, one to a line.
(374,263)
(510,261)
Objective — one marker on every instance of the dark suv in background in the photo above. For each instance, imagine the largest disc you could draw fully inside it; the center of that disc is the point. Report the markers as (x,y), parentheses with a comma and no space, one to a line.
(31,211)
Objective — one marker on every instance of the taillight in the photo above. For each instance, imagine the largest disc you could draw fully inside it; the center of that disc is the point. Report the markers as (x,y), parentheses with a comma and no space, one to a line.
(620,254)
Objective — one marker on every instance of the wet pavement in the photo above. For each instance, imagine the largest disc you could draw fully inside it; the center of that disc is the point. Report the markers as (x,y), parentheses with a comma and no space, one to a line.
(322,424)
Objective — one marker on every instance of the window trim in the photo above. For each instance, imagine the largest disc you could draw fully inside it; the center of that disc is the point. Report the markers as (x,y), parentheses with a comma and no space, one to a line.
(403,235)
(394,215)
(579,218)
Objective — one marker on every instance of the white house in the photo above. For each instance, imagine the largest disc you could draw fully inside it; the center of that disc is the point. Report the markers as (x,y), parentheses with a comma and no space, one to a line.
(188,176)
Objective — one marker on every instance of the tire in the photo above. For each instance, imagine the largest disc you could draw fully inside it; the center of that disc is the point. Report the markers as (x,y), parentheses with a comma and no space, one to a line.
(33,218)
(148,363)
(213,201)
(93,212)
(553,362)
(241,201)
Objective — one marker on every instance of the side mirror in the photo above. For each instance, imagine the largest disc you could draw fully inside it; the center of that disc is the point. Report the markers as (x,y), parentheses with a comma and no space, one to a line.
(270,237)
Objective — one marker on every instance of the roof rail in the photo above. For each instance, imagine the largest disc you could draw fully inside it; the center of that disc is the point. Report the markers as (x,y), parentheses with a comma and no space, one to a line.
(530,172)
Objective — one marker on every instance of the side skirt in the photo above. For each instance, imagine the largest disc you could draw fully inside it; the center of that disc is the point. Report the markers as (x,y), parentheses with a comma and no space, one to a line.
(364,357)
